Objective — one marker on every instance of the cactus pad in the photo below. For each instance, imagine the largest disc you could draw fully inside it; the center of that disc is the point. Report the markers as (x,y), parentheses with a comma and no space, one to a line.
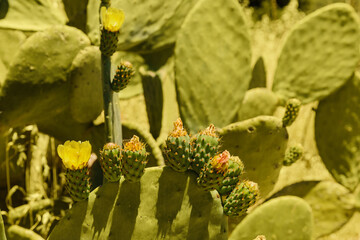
(257,102)
(206,65)
(281,218)
(308,68)
(110,161)
(260,143)
(177,150)
(232,176)
(213,172)
(38,74)
(163,205)
(243,196)
(204,146)
(133,159)
(86,101)
(337,131)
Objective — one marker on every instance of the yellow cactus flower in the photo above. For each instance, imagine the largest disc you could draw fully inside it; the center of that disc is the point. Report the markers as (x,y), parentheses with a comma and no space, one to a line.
(112,19)
(75,155)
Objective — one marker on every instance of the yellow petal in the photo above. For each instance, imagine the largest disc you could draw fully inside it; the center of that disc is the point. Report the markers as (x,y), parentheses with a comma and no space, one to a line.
(75,145)
(60,150)
(112,19)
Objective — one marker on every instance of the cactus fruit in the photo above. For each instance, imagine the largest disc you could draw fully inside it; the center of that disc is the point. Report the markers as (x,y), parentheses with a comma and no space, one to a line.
(293,154)
(133,159)
(232,176)
(112,20)
(177,150)
(291,111)
(122,76)
(204,146)
(78,183)
(241,198)
(110,161)
(213,172)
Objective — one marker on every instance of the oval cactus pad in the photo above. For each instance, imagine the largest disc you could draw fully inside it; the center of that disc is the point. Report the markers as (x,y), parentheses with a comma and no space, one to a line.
(337,133)
(319,54)
(212,64)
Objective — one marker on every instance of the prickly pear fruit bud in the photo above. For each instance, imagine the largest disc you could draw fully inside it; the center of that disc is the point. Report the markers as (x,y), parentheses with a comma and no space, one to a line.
(232,176)
(213,172)
(291,111)
(122,76)
(293,154)
(112,20)
(243,196)
(133,159)
(110,161)
(177,150)
(75,156)
(204,146)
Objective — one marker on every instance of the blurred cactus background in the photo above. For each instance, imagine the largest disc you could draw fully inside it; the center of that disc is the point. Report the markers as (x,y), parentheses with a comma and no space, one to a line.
(273,83)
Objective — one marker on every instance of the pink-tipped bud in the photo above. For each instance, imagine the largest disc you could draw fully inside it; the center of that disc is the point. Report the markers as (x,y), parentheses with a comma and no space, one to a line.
(221,161)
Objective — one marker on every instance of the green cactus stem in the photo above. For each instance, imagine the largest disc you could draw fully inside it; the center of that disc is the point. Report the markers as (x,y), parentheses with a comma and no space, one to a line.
(204,146)
(232,176)
(291,111)
(213,172)
(134,159)
(177,149)
(122,76)
(241,198)
(78,183)
(110,161)
(293,154)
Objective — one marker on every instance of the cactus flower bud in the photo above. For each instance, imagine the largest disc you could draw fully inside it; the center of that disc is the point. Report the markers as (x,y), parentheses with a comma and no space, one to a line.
(110,161)
(291,111)
(292,154)
(122,76)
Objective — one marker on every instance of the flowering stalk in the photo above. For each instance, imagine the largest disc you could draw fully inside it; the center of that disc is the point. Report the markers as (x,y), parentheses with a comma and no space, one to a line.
(111,21)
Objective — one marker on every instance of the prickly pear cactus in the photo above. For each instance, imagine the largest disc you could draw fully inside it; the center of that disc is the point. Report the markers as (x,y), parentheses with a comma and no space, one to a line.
(286,217)
(258,101)
(260,143)
(198,61)
(163,205)
(292,154)
(77,183)
(337,131)
(204,146)
(133,159)
(86,102)
(243,196)
(232,176)
(213,172)
(110,161)
(177,149)
(124,73)
(291,111)
(308,68)
(12,39)
(38,75)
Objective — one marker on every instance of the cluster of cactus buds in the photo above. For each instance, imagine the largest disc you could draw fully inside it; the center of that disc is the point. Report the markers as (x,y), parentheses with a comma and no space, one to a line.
(215,170)
(291,111)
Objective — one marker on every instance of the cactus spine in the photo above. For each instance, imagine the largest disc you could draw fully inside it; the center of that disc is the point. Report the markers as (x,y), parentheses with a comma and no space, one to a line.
(213,172)
(110,161)
(177,150)
(203,147)
(133,159)
(241,198)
